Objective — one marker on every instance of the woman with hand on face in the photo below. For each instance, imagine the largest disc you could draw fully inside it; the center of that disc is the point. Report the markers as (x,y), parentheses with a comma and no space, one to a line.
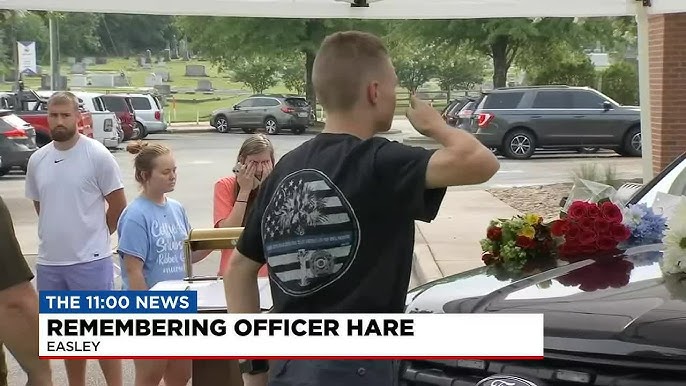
(152,230)
(234,195)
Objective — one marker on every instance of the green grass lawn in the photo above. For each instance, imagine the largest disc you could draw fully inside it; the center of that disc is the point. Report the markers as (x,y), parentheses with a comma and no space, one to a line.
(190,105)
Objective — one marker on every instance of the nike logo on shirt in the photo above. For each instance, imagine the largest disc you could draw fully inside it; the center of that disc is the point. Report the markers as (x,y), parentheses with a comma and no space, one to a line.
(59,160)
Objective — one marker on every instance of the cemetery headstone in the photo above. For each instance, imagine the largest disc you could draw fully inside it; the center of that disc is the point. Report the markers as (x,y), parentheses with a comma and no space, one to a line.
(100,60)
(148,56)
(71,60)
(79,80)
(204,85)
(195,70)
(78,68)
(163,89)
(88,61)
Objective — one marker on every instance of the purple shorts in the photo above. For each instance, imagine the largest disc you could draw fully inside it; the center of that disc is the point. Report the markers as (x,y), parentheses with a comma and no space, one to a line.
(95,275)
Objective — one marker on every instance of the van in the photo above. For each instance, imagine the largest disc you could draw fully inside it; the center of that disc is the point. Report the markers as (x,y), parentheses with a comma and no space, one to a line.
(149,114)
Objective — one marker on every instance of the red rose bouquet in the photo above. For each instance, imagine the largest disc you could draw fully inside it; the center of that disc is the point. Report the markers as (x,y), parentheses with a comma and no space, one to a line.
(590,228)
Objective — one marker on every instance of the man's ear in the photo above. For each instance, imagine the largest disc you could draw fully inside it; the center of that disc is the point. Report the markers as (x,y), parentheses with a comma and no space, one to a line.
(373,93)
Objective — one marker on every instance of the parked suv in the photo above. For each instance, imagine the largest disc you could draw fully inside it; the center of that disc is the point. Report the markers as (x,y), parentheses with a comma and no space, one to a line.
(518,120)
(271,112)
(149,114)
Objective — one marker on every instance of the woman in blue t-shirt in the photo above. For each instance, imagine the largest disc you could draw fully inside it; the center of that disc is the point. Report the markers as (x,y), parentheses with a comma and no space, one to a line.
(152,230)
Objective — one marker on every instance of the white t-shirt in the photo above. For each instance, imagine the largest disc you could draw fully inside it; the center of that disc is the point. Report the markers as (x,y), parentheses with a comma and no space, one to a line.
(71,187)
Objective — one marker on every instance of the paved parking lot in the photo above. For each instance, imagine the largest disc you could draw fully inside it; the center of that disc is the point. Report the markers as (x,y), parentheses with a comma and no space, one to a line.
(202,158)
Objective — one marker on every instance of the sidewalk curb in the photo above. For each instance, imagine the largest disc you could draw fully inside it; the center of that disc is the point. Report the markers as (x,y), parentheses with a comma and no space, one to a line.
(424,264)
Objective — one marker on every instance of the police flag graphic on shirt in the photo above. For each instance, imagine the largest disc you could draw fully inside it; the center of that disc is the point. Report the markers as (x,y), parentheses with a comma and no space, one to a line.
(310,233)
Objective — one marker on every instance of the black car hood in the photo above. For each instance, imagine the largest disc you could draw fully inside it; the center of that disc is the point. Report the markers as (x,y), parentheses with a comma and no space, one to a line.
(623,306)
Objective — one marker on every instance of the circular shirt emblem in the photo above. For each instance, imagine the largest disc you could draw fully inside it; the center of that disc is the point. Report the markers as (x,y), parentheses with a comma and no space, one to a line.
(310,233)
(505,380)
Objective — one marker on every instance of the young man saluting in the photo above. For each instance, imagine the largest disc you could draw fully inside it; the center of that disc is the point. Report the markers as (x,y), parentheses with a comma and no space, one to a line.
(334,221)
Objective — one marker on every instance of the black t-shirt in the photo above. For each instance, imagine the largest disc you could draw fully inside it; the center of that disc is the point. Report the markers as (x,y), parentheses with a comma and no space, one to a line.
(334,222)
(13,266)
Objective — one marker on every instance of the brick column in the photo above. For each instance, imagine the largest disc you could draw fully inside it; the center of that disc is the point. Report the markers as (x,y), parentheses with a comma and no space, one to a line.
(667,87)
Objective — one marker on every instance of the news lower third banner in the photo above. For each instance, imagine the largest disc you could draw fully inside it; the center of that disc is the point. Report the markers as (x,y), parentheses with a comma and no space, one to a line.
(166,324)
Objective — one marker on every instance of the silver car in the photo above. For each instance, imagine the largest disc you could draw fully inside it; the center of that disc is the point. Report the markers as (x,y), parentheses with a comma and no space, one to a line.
(149,114)
(271,112)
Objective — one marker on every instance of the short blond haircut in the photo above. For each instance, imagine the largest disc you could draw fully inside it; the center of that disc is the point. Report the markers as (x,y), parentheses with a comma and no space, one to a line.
(345,60)
(63,98)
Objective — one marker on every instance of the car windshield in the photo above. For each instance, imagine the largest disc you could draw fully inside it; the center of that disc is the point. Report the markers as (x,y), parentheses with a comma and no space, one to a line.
(665,191)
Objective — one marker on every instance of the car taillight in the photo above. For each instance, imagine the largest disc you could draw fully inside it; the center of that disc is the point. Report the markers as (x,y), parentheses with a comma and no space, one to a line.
(287,110)
(157,115)
(15,134)
(484,119)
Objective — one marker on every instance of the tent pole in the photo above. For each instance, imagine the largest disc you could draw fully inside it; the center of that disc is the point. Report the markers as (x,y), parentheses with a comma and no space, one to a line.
(644,87)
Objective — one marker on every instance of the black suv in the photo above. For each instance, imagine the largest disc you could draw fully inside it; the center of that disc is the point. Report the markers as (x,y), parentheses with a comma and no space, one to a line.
(518,120)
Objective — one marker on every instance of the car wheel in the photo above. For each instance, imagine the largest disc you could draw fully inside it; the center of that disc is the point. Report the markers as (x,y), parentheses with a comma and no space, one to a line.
(249,131)
(519,144)
(271,126)
(298,130)
(632,145)
(221,124)
(142,131)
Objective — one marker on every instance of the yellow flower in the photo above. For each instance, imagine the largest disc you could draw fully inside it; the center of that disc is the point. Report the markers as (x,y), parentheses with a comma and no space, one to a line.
(527,231)
(531,218)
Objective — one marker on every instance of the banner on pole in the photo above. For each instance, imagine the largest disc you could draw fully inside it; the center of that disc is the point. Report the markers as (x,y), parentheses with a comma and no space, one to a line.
(27,58)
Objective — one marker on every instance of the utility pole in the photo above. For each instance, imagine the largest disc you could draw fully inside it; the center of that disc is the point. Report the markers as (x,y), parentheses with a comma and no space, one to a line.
(54,54)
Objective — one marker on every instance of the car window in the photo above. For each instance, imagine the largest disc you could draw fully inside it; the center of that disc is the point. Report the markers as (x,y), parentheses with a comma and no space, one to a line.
(552,100)
(587,100)
(502,100)
(296,102)
(141,103)
(246,103)
(115,104)
(157,102)
(129,105)
(99,104)
(266,102)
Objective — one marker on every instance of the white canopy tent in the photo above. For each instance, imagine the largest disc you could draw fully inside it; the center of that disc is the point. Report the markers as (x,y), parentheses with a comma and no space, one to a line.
(377,9)
(397,9)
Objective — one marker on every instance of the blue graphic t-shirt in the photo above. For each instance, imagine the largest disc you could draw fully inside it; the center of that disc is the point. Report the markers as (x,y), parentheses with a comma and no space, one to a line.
(155,234)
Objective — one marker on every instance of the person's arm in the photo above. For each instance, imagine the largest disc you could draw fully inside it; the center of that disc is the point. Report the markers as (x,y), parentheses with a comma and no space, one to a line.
(116,202)
(31,186)
(463,160)
(109,180)
(134,271)
(229,212)
(19,304)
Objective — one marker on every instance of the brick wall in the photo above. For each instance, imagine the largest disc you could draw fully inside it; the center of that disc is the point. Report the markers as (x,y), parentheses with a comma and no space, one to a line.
(667,87)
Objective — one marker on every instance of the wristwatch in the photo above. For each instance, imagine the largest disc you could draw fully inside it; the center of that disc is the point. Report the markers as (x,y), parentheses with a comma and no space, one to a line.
(254,366)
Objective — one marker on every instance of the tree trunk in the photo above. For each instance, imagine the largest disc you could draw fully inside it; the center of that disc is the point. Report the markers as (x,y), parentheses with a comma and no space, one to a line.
(500,61)
(309,86)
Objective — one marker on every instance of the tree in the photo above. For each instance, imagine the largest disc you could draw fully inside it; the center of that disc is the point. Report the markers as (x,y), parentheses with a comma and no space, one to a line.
(562,62)
(222,39)
(499,39)
(257,72)
(293,75)
(414,61)
(123,34)
(459,68)
(620,82)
